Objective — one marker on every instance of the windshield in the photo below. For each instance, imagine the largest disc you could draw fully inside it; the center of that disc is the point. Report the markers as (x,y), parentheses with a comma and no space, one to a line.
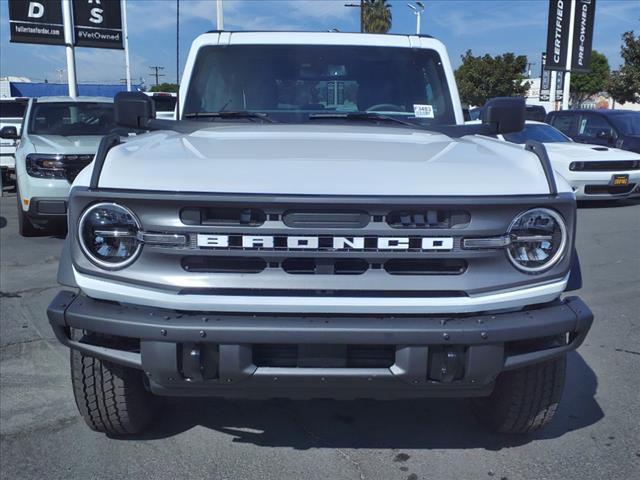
(12,109)
(73,118)
(290,82)
(627,123)
(539,133)
(164,103)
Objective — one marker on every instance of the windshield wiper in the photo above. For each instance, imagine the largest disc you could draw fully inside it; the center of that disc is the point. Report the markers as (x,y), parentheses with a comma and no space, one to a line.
(366,116)
(231,114)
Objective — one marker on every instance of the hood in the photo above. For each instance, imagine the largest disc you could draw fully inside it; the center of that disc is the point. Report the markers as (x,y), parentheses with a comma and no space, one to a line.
(62,144)
(321,160)
(570,152)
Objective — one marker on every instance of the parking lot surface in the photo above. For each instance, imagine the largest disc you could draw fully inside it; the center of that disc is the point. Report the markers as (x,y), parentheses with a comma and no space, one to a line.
(596,433)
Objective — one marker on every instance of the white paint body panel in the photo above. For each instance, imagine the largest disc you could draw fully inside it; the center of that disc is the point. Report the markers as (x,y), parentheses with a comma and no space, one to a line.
(321,160)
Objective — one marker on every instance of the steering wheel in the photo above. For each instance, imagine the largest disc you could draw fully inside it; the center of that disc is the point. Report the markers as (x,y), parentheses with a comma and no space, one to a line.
(385,107)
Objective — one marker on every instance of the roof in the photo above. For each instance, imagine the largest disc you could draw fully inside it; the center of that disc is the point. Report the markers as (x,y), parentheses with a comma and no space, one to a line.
(332,32)
(316,38)
(60,99)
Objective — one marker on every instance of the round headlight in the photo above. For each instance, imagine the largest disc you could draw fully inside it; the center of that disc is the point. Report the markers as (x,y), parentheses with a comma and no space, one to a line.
(538,240)
(108,235)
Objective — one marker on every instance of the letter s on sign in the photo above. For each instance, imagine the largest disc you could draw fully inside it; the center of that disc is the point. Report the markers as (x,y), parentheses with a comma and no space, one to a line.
(96,15)
(36,10)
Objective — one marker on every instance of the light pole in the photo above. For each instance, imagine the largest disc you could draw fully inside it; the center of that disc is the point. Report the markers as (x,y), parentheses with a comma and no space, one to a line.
(125,34)
(219,15)
(418,8)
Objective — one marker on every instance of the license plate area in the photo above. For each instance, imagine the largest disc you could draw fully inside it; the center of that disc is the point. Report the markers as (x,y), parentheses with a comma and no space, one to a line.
(619,180)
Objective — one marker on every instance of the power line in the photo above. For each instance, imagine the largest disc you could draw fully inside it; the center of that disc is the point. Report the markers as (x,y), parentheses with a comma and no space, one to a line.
(157,73)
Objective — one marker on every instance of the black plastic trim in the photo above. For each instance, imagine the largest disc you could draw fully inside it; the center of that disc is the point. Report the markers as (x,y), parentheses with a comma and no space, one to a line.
(35,212)
(575,274)
(293,200)
(107,143)
(540,150)
(65,266)
(147,323)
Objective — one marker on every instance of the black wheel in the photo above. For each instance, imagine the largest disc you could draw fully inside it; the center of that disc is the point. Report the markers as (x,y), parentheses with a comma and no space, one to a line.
(111,398)
(25,227)
(523,400)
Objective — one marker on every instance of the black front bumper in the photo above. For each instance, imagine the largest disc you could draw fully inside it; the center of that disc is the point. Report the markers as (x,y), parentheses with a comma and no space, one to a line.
(479,347)
(47,209)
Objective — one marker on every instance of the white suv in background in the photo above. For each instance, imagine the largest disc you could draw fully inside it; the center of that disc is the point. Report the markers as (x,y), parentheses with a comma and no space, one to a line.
(165,103)
(59,138)
(11,113)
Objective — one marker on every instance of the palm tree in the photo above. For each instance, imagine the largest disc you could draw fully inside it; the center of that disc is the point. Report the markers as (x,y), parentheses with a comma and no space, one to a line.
(376,16)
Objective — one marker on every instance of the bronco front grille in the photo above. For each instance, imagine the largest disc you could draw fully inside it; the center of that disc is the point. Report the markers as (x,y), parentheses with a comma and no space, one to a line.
(315,247)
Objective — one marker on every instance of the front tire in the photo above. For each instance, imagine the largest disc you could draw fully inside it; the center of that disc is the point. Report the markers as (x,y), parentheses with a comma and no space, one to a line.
(523,400)
(111,398)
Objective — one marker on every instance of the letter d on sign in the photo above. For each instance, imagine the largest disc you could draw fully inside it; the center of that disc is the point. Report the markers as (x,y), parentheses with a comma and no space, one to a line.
(36,10)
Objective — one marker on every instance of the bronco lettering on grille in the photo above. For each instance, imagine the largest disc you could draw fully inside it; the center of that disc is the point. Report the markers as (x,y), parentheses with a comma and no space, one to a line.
(268,242)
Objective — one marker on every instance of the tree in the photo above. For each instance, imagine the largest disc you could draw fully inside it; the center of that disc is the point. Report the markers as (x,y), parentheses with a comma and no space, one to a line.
(482,78)
(376,16)
(624,85)
(164,87)
(584,85)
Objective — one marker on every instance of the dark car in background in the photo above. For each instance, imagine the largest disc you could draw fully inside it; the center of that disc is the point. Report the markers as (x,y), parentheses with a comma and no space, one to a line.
(611,128)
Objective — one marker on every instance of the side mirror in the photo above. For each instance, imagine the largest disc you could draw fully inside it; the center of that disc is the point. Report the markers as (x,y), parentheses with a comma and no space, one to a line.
(504,114)
(134,110)
(9,133)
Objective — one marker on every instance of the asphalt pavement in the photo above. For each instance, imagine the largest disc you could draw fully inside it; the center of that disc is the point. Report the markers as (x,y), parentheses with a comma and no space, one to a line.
(595,435)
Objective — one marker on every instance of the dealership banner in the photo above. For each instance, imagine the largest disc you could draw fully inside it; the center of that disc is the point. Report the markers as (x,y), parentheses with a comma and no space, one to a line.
(558,34)
(583,19)
(98,23)
(545,80)
(559,87)
(40,21)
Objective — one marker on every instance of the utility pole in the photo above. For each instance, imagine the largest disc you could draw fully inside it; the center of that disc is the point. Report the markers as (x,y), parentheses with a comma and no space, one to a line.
(156,73)
(361,7)
(60,74)
(418,8)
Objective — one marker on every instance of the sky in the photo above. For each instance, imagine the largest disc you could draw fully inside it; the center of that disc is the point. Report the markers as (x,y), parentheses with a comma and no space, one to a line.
(484,26)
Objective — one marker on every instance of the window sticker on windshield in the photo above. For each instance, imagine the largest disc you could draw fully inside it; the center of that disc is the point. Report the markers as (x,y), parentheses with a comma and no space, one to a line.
(423,111)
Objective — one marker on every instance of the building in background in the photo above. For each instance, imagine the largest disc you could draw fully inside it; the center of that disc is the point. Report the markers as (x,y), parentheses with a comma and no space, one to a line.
(24,87)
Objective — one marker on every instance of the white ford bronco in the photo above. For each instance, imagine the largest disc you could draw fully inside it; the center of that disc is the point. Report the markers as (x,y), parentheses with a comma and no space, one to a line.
(319,222)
